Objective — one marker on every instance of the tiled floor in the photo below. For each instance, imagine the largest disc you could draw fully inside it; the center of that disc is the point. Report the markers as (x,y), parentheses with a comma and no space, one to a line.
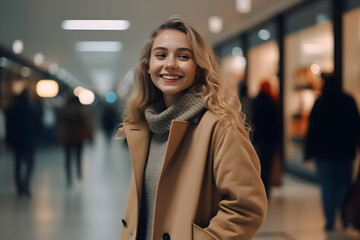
(92,208)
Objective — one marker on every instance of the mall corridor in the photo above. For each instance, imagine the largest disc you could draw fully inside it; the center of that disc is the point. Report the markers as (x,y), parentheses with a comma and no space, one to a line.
(92,208)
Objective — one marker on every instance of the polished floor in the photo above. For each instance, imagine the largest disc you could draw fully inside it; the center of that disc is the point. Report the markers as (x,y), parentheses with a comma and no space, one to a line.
(92,208)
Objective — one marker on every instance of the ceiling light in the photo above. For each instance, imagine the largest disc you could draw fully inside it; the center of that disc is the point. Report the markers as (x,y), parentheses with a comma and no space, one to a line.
(243,6)
(53,68)
(77,90)
(237,51)
(264,34)
(18,46)
(215,24)
(315,68)
(25,71)
(99,46)
(38,59)
(111,97)
(95,24)
(86,97)
(47,88)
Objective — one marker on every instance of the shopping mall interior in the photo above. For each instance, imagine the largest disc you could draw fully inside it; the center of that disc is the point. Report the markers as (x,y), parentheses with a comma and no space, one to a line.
(289,44)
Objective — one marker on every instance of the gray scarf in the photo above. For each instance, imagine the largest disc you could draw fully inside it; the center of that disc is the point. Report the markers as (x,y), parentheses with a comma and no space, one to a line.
(186,108)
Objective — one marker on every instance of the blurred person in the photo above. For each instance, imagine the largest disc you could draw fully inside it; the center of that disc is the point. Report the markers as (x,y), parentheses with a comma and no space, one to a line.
(24,129)
(333,132)
(110,120)
(74,128)
(195,173)
(266,125)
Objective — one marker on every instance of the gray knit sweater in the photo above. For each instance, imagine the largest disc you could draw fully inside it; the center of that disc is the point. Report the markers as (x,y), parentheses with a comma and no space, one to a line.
(159,119)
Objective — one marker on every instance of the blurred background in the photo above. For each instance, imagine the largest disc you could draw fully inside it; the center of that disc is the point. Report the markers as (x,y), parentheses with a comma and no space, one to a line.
(64,82)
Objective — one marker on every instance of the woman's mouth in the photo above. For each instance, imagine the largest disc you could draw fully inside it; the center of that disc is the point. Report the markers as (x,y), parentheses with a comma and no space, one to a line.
(170,78)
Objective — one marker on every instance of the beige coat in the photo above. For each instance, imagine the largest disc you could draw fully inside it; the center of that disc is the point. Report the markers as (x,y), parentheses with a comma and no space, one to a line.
(209,187)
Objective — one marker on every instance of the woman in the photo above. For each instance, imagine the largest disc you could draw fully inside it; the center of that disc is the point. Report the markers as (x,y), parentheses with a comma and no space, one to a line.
(195,173)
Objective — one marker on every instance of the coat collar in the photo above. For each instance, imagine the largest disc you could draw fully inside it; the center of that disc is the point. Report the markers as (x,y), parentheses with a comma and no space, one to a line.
(138,136)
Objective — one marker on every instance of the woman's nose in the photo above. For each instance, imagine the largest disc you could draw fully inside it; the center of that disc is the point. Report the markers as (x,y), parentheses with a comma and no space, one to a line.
(170,63)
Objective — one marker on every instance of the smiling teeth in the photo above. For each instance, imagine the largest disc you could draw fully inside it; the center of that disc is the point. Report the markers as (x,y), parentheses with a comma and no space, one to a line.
(171,77)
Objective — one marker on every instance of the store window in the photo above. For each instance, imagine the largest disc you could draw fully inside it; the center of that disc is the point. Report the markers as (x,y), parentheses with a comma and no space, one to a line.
(351,53)
(309,50)
(263,58)
(233,63)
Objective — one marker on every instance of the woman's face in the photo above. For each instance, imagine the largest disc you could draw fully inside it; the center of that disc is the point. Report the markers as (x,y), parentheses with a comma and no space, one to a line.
(172,67)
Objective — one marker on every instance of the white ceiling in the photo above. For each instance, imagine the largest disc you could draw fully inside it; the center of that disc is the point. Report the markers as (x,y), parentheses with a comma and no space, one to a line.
(38,24)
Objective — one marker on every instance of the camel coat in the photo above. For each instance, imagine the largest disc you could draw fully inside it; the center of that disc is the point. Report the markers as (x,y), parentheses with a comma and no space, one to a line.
(209,188)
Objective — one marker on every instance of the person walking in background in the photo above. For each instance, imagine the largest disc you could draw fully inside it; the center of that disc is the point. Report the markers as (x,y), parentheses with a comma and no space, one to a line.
(24,130)
(74,128)
(266,126)
(110,119)
(195,173)
(333,132)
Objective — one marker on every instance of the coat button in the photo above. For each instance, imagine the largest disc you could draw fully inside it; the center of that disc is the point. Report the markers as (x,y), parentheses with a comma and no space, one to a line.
(166,236)
(124,222)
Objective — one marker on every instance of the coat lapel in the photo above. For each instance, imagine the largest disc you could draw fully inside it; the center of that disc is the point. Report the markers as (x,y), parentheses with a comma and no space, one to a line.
(138,140)
(177,131)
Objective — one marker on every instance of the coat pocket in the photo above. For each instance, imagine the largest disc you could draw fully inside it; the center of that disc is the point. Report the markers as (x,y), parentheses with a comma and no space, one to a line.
(200,234)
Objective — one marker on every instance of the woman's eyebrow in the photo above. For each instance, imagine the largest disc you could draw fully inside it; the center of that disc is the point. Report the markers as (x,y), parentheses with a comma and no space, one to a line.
(160,48)
(179,49)
(184,49)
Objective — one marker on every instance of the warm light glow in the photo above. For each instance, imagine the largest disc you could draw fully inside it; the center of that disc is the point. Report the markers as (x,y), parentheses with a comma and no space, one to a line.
(38,59)
(86,97)
(99,46)
(315,68)
(47,88)
(18,87)
(95,24)
(215,24)
(18,46)
(264,34)
(243,6)
(77,91)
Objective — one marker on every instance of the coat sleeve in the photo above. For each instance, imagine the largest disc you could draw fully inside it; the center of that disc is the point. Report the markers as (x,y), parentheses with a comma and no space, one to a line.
(236,169)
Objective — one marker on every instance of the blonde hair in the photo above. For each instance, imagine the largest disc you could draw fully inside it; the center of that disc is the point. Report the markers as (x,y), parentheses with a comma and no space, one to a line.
(209,82)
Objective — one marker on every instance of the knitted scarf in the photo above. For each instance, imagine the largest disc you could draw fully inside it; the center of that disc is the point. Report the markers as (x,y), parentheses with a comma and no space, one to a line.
(184,109)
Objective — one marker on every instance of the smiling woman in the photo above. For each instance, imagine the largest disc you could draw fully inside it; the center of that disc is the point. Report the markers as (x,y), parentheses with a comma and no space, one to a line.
(172,67)
(195,173)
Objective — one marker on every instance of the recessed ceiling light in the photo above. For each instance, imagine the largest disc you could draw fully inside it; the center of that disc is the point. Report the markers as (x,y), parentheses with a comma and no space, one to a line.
(215,24)
(243,6)
(95,24)
(18,46)
(264,34)
(98,46)
(38,59)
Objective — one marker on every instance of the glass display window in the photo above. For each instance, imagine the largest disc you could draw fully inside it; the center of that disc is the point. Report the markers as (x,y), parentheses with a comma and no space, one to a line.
(233,63)
(351,53)
(308,53)
(263,58)
(263,66)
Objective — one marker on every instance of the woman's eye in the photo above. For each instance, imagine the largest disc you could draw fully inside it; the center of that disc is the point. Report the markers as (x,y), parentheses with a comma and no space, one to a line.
(184,57)
(160,55)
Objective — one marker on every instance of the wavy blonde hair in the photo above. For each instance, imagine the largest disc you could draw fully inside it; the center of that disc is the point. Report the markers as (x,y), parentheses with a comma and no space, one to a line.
(209,82)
